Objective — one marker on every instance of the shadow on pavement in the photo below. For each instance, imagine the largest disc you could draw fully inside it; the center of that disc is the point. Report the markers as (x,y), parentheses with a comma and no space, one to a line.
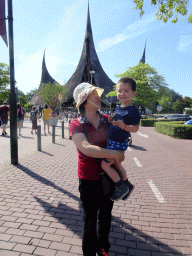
(127,239)
(60,144)
(46,153)
(45,181)
(138,148)
(26,137)
(5,136)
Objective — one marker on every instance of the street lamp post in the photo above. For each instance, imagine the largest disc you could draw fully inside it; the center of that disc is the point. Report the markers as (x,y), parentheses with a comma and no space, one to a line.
(92,72)
(12,95)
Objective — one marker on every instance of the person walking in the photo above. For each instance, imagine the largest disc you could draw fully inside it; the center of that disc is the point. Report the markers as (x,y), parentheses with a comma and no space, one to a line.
(4,114)
(19,117)
(33,117)
(89,133)
(23,116)
(45,113)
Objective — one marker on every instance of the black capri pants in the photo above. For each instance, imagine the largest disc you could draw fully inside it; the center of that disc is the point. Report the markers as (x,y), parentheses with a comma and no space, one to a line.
(97,217)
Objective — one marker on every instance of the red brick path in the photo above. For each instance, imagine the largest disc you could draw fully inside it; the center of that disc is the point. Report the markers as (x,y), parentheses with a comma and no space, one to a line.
(40,212)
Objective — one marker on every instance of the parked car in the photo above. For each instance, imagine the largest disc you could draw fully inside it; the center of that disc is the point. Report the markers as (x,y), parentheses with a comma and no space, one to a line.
(178,117)
(189,122)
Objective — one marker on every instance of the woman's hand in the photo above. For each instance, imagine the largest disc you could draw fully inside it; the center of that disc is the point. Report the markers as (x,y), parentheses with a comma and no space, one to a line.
(120,157)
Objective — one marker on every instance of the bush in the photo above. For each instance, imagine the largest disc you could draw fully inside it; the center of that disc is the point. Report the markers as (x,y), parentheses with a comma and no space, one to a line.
(148,122)
(151,122)
(174,129)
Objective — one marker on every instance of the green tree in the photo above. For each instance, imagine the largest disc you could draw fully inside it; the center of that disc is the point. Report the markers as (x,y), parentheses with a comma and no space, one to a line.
(166,104)
(167,9)
(150,85)
(178,106)
(187,102)
(28,107)
(49,94)
(30,94)
(21,98)
(4,82)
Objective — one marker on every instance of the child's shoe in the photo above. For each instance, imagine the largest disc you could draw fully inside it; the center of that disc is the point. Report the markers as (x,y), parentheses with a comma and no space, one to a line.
(131,188)
(119,192)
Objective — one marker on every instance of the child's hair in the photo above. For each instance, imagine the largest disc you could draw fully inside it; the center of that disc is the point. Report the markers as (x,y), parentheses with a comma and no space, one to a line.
(46,106)
(33,108)
(128,80)
(18,105)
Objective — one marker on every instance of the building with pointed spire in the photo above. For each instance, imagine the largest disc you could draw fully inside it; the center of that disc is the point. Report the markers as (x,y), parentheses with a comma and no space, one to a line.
(89,69)
(142,60)
(45,76)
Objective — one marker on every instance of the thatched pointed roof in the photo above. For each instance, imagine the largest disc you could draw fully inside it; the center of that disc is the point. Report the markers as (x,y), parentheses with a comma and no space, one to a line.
(143,56)
(89,61)
(45,76)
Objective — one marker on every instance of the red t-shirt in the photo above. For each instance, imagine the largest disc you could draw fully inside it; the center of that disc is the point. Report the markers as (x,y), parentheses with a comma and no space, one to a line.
(6,109)
(88,168)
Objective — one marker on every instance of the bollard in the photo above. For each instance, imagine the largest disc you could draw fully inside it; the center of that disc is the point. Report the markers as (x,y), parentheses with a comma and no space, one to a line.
(39,137)
(62,129)
(53,134)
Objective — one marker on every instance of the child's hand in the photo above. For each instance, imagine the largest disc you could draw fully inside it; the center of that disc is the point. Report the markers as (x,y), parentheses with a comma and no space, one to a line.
(119,123)
(110,119)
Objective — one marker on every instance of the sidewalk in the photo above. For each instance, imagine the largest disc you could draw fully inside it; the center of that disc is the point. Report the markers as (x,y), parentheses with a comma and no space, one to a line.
(27,143)
(40,211)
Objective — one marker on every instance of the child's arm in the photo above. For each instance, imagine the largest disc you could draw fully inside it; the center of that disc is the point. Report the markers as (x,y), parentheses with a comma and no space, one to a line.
(127,128)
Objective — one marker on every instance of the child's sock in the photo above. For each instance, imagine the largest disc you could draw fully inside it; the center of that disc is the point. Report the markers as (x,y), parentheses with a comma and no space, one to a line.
(119,183)
(126,182)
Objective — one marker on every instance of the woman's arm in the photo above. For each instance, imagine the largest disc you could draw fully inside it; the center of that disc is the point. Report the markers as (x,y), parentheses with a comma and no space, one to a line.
(87,149)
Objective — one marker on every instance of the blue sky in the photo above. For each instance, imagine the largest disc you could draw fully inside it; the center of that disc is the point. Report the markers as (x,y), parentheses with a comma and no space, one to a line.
(119,35)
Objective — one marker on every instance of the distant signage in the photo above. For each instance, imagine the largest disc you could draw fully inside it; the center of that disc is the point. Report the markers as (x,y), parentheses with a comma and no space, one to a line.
(159,108)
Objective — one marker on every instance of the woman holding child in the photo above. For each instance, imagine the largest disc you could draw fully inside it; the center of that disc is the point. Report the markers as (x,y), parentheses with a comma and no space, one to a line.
(89,133)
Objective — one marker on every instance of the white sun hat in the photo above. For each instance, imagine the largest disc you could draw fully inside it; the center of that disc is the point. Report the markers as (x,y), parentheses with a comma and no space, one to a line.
(83,90)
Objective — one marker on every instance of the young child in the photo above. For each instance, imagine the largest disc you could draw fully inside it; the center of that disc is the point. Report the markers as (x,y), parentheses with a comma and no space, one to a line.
(33,118)
(125,120)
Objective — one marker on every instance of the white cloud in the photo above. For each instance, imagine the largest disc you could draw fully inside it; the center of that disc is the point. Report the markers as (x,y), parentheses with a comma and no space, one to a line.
(184,42)
(134,30)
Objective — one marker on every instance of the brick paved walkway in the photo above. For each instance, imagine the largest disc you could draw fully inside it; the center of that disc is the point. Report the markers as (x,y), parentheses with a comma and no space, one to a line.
(40,211)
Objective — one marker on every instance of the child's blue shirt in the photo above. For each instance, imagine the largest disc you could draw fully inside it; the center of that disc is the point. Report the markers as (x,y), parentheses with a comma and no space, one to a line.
(130,116)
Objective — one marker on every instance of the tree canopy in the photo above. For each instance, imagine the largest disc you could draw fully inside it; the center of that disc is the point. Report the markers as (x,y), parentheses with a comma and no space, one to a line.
(4,82)
(150,85)
(167,9)
(52,94)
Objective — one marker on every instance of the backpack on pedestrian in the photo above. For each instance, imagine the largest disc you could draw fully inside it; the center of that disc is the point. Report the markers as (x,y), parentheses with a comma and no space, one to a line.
(33,115)
(3,112)
(20,115)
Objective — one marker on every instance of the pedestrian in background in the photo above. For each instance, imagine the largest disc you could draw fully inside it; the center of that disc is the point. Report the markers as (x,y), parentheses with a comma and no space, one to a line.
(4,114)
(46,112)
(23,116)
(33,117)
(19,117)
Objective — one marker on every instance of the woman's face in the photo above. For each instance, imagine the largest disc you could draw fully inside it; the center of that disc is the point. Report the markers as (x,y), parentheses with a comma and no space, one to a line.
(93,100)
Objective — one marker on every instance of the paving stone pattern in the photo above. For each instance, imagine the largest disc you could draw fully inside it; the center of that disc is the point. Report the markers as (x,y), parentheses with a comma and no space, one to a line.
(41,214)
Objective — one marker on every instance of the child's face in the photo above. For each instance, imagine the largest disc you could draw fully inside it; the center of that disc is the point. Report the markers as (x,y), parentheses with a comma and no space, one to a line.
(124,93)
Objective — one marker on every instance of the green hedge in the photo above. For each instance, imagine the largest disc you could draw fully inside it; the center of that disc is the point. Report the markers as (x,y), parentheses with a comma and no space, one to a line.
(174,129)
(151,122)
